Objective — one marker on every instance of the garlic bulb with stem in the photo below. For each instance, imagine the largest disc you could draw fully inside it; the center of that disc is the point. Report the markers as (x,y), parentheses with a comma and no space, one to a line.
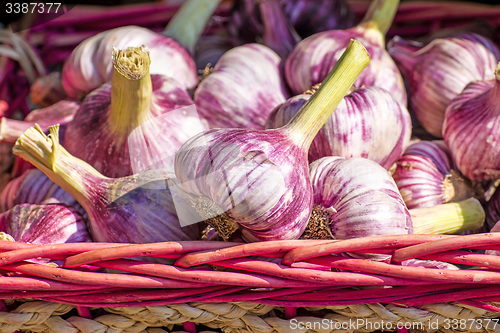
(356,197)
(427,176)
(257,181)
(367,123)
(34,187)
(136,114)
(312,58)
(245,22)
(89,65)
(471,129)
(133,209)
(440,70)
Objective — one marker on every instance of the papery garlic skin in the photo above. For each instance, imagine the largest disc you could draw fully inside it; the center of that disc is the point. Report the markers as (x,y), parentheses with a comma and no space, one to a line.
(249,176)
(426,176)
(244,87)
(367,123)
(89,65)
(362,196)
(440,70)
(471,129)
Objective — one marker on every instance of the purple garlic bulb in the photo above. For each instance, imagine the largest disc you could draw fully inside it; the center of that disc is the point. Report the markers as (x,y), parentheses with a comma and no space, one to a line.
(313,57)
(135,121)
(471,129)
(306,16)
(367,123)
(440,70)
(133,209)
(44,223)
(493,210)
(328,15)
(359,197)
(244,87)
(34,187)
(90,65)
(426,176)
(256,181)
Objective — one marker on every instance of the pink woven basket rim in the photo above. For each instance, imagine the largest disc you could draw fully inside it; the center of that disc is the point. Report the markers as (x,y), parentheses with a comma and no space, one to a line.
(278,273)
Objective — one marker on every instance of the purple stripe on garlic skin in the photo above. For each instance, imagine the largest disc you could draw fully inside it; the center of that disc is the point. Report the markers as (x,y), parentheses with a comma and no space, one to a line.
(440,70)
(367,123)
(471,129)
(364,198)
(244,87)
(90,66)
(248,175)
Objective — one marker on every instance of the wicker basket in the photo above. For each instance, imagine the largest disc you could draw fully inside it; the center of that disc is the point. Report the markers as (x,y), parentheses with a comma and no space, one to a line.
(278,286)
(283,286)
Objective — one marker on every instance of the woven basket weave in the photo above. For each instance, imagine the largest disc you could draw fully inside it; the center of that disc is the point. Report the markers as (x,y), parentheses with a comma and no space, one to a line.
(257,287)
(261,287)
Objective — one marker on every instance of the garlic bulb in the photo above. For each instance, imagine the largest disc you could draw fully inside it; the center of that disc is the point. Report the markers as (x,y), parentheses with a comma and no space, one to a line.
(257,181)
(133,209)
(134,122)
(90,65)
(440,70)
(60,113)
(312,58)
(367,123)
(471,129)
(427,176)
(359,197)
(244,87)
